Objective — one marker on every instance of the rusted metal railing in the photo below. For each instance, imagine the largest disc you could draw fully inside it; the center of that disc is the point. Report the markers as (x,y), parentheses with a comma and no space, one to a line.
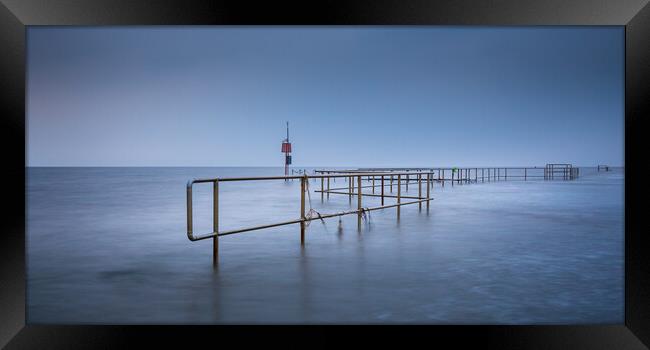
(386,177)
(303,219)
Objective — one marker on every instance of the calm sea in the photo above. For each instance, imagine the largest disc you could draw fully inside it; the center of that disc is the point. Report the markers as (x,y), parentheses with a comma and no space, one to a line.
(109,245)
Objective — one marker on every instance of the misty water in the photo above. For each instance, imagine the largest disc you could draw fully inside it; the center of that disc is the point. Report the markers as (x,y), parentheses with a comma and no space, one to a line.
(109,245)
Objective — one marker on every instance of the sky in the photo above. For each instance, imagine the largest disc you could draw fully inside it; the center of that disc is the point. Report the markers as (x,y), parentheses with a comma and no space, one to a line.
(353,96)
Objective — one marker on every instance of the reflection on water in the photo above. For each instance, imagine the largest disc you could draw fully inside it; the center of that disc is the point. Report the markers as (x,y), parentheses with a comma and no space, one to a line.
(108,245)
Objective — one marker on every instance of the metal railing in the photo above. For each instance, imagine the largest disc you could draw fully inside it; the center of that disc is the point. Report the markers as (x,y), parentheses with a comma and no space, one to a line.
(387,178)
(560,171)
(303,219)
(470,175)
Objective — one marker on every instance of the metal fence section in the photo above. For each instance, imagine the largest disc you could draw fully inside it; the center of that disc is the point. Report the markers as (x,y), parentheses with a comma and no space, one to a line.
(303,218)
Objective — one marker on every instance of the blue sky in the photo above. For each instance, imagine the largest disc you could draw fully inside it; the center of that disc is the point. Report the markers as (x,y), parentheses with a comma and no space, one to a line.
(354,96)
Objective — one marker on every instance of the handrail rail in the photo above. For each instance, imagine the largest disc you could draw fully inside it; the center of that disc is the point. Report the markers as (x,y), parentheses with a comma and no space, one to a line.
(216,181)
(216,233)
(262,178)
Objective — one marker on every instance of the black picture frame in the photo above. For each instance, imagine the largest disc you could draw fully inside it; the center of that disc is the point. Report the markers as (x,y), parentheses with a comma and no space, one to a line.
(15,15)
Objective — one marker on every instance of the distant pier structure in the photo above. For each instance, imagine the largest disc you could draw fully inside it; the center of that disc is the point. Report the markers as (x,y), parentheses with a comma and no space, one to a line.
(561,171)
(603,168)
(286,149)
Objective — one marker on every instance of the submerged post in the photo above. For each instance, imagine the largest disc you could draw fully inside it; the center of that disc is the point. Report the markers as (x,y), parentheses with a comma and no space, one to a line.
(328,187)
(399,193)
(420,191)
(302,210)
(189,208)
(350,189)
(407,182)
(428,189)
(215,222)
(382,190)
(359,204)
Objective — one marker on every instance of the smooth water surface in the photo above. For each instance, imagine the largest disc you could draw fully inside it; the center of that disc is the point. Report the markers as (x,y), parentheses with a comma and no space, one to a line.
(109,245)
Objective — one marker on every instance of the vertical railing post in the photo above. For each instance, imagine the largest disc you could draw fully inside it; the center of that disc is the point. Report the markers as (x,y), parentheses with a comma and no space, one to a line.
(407,182)
(506,171)
(420,191)
(399,193)
(373,184)
(359,213)
(443,177)
(382,190)
(525,174)
(452,177)
(328,187)
(302,210)
(215,222)
(350,189)
(189,208)
(428,189)
(322,187)
(391,184)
